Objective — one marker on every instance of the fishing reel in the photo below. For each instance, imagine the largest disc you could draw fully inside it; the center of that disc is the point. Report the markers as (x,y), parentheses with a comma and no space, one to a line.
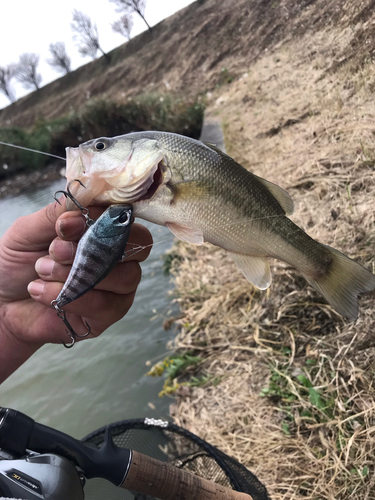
(165,462)
(39,477)
(38,462)
(31,475)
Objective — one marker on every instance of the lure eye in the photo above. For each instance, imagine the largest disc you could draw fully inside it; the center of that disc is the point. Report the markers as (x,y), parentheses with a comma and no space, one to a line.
(100,145)
(124,217)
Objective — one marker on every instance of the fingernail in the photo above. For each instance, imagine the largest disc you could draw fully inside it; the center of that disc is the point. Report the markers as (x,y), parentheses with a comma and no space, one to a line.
(44,266)
(35,288)
(71,227)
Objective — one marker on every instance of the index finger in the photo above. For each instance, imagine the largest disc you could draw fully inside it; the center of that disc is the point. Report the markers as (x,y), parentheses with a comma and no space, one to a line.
(71,225)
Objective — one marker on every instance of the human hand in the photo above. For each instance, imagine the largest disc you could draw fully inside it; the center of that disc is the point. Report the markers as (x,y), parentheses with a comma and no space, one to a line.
(27,320)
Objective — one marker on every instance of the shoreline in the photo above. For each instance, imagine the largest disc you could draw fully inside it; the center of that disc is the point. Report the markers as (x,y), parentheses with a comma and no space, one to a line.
(23,183)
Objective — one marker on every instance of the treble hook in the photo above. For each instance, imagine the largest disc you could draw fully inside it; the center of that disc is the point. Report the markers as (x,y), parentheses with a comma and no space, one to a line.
(84,211)
(72,334)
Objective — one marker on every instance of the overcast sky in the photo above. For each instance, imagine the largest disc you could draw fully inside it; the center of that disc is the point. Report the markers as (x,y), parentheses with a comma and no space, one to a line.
(31,25)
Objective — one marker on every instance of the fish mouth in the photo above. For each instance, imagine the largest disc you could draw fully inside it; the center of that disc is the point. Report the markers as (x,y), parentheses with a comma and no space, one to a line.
(157,181)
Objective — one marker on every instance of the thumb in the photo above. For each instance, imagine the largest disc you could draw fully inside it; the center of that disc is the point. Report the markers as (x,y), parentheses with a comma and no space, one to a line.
(35,232)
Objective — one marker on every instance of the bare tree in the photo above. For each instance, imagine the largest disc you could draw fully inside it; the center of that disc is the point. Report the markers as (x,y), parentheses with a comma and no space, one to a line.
(60,59)
(26,71)
(6,75)
(123,26)
(86,35)
(131,6)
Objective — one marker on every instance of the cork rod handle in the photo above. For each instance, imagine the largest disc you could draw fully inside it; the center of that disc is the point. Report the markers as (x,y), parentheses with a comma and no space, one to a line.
(162,480)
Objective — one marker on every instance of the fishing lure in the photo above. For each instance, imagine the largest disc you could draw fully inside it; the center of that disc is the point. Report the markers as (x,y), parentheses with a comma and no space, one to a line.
(99,250)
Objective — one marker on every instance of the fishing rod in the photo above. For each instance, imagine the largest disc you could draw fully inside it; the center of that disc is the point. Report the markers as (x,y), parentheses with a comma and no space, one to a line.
(41,462)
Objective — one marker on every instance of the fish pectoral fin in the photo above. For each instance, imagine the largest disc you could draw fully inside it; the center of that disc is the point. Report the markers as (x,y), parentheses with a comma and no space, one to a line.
(255,269)
(280,194)
(185,233)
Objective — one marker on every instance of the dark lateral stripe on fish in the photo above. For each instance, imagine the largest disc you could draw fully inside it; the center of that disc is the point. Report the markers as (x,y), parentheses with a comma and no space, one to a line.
(82,281)
(103,247)
(73,289)
(88,269)
(98,245)
(96,259)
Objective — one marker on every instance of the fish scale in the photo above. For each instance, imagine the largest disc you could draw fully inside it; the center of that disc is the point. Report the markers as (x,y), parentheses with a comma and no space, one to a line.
(203,195)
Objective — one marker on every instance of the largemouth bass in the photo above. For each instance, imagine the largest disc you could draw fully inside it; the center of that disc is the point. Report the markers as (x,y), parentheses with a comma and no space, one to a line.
(202,194)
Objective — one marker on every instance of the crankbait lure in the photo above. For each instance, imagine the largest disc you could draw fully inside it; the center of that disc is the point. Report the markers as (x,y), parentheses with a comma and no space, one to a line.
(99,250)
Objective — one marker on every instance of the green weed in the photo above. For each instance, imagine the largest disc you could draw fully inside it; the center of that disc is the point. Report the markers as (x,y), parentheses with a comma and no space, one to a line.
(168,261)
(224,78)
(297,396)
(98,117)
(175,366)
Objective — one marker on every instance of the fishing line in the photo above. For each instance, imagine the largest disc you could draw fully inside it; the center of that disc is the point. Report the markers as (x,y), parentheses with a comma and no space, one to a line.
(32,150)
(137,248)
(250,220)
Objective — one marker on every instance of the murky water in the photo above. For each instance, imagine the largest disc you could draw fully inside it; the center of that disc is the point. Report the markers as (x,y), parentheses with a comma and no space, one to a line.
(102,380)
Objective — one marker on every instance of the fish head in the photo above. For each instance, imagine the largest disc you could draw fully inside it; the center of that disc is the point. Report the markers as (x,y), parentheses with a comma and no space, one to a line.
(112,170)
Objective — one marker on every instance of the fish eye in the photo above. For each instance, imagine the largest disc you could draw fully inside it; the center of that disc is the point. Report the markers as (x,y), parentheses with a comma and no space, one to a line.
(100,145)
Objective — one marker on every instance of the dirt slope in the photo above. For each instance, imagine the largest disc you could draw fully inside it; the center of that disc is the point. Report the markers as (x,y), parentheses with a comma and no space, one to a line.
(187,52)
(295,402)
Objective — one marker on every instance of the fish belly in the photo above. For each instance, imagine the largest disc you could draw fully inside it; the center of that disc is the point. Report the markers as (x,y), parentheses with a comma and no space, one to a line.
(261,235)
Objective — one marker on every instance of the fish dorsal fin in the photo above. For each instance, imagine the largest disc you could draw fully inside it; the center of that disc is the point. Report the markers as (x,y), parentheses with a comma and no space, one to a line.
(280,194)
(255,269)
(185,233)
(215,148)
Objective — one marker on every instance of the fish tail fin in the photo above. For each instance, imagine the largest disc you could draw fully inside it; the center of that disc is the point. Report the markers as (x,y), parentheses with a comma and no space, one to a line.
(343,282)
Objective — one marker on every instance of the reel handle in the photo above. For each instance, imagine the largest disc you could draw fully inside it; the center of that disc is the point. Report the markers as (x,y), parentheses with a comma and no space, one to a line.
(162,480)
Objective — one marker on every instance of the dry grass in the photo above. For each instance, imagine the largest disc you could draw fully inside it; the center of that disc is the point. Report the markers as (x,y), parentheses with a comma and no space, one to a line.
(296,402)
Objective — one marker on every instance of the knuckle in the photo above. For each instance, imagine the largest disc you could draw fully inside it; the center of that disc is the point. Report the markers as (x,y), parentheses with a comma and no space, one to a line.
(52,212)
(133,274)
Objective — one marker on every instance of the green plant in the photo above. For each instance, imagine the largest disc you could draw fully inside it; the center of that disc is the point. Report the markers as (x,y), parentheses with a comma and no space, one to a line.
(225,77)
(174,366)
(98,117)
(298,392)
(168,260)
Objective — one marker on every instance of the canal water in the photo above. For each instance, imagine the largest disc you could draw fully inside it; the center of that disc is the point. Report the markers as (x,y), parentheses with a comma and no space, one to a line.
(102,380)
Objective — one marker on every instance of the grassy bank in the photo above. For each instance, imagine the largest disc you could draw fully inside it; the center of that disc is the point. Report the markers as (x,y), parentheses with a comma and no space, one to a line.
(98,117)
(295,400)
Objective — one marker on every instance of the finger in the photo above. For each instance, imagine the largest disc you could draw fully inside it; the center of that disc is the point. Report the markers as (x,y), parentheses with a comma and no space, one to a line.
(139,247)
(99,307)
(41,323)
(44,326)
(139,244)
(62,251)
(34,232)
(122,280)
(72,225)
